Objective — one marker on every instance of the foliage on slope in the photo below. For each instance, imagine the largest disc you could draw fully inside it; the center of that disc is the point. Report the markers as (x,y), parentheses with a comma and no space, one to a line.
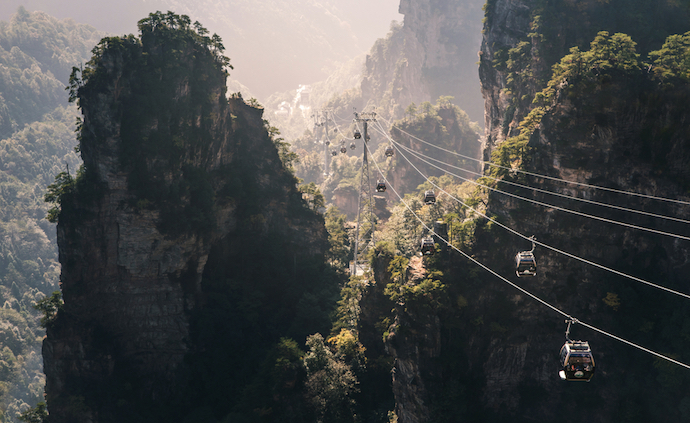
(635,107)
(556,26)
(445,126)
(37,53)
(263,291)
(610,76)
(36,142)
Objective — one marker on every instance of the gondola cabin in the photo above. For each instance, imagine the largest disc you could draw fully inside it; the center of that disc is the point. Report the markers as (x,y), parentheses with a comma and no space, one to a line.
(358,135)
(380,186)
(429,197)
(428,247)
(525,264)
(389,151)
(577,361)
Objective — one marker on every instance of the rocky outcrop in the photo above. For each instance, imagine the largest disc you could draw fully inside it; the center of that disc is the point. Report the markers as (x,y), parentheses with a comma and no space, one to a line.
(180,184)
(414,341)
(507,23)
(608,134)
(498,348)
(432,54)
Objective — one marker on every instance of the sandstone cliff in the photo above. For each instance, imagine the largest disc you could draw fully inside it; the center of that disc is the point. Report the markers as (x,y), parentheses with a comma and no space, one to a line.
(182,211)
(605,124)
(432,54)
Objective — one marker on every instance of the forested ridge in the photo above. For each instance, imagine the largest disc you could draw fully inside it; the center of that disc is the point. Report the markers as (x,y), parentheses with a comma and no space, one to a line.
(37,141)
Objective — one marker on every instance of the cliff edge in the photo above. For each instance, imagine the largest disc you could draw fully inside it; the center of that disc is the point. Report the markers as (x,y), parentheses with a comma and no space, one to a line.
(181,209)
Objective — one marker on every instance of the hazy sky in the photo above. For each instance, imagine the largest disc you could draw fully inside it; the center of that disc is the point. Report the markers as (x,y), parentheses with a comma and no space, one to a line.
(274,45)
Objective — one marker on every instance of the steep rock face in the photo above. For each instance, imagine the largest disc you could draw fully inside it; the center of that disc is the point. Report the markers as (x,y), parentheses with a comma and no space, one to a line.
(621,131)
(179,183)
(522,39)
(584,140)
(432,54)
(414,341)
(498,355)
(507,24)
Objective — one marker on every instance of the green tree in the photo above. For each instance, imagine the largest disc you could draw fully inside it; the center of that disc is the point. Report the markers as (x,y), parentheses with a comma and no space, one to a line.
(330,383)
(63,185)
(672,61)
(38,414)
(338,239)
(313,196)
(617,51)
(287,156)
(49,306)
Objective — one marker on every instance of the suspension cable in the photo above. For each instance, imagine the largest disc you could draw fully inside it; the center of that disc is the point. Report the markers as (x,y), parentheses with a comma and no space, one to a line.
(591,263)
(632,193)
(642,228)
(570,197)
(554,308)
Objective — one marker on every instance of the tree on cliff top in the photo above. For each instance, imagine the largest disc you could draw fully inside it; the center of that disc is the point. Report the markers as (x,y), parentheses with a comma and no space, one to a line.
(171,80)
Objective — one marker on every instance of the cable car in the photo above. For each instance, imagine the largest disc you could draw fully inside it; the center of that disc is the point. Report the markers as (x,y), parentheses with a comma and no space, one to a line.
(352,146)
(429,197)
(525,263)
(343,149)
(577,361)
(428,247)
(380,186)
(389,151)
(334,153)
(357,134)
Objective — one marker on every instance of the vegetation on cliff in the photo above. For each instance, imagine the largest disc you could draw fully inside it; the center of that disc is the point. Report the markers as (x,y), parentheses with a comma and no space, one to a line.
(552,28)
(166,41)
(442,124)
(213,171)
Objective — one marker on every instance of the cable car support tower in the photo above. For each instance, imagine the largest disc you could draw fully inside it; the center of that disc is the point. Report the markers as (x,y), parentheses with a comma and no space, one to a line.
(365,200)
(321,120)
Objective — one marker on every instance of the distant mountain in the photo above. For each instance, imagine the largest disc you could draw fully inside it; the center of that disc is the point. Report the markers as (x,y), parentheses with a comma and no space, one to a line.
(274,45)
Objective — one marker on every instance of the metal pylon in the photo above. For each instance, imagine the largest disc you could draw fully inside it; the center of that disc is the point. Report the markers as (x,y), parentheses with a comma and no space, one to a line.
(321,121)
(365,204)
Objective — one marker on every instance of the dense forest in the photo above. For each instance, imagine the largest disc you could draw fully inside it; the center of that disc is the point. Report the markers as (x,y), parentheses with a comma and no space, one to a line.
(37,142)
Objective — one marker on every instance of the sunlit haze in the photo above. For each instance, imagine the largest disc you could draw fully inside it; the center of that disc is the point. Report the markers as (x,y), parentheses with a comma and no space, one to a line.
(273,45)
